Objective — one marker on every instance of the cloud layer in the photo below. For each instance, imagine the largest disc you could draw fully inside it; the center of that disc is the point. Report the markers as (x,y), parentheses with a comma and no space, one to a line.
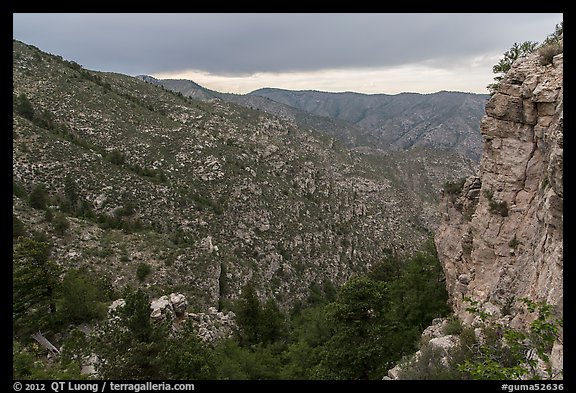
(228,46)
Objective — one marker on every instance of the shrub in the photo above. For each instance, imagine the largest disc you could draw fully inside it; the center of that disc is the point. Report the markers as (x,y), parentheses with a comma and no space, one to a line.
(18,189)
(454,187)
(494,206)
(48,215)
(115,157)
(23,107)
(142,271)
(38,197)
(499,208)
(18,228)
(547,52)
(507,353)
(453,326)
(61,224)
(514,242)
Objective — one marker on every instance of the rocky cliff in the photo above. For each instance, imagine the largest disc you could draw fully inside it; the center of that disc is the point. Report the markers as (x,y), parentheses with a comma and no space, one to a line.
(501,238)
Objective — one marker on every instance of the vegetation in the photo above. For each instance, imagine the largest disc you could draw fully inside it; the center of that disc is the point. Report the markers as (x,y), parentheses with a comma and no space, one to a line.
(496,207)
(35,283)
(142,271)
(454,187)
(126,197)
(499,352)
(356,332)
(552,45)
(514,242)
(513,356)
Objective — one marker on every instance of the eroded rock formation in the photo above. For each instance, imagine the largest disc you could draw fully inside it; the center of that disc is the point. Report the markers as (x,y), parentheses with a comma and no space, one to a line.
(501,238)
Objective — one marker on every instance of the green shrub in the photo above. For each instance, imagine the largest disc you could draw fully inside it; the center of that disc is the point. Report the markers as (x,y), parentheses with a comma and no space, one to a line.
(453,326)
(115,157)
(499,208)
(454,187)
(496,207)
(61,224)
(48,215)
(18,189)
(142,271)
(514,242)
(467,337)
(38,197)
(18,228)
(23,107)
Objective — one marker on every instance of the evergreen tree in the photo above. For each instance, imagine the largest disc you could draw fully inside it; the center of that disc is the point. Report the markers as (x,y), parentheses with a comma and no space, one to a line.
(80,298)
(249,316)
(24,107)
(358,348)
(34,281)
(38,197)
(510,56)
(61,224)
(71,191)
(18,228)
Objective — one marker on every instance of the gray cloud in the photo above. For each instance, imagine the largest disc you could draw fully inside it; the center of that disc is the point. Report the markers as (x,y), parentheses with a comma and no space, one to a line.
(236,44)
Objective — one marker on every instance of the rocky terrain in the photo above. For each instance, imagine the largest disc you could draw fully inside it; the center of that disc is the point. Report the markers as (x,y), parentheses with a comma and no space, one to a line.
(444,120)
(501,235)
(510,243)
(206,195)
(343,131)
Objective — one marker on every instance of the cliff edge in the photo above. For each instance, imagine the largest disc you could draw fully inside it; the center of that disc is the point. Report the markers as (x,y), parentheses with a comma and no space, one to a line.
(501,235)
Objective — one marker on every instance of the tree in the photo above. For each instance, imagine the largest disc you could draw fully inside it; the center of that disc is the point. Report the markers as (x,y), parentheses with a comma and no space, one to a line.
(71,191)
(358,348)
(507,353)
(34,281)
(136,315)
(23,107)
(61,224)
(80,298)
(129,345)
(311,330)
(510,56)
(551,46)
(249,316)
(38,197)
(272,327)
(556,37)
(18,228)
(186,357)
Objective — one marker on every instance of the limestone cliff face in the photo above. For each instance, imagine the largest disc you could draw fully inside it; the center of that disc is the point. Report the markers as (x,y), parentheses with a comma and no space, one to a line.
(501,238)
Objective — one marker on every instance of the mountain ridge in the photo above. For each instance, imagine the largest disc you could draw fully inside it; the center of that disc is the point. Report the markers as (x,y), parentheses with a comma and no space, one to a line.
(377,121)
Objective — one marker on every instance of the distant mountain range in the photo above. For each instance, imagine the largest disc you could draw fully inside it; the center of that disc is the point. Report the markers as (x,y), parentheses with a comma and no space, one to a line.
(443,120)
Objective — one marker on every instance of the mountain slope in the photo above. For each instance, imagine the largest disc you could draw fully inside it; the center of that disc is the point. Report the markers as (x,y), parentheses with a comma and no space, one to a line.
(345,132)
(210,195)
(444,120)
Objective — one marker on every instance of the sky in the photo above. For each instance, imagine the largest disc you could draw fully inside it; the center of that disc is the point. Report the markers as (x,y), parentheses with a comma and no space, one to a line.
(238,53)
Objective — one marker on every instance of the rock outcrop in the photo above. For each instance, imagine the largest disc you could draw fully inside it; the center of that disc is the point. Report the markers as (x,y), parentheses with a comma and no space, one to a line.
(210,327)
(501,239)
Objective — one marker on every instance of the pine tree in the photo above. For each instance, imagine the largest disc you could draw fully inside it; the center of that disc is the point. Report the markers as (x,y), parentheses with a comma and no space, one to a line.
(34,279)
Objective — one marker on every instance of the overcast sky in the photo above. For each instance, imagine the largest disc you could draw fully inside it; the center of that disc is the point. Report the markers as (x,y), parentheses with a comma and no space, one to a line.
(369,53)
